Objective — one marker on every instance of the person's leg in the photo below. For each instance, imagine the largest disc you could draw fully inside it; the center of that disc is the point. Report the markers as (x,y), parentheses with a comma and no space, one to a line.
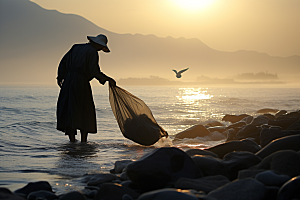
(83,136)
(71,133)
(72,138)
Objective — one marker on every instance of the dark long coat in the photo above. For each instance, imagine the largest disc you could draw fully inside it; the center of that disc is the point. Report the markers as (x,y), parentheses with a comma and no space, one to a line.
(75,105)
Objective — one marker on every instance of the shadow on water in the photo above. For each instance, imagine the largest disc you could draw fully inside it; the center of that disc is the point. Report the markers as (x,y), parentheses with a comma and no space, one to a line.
(79,150)
(77,159)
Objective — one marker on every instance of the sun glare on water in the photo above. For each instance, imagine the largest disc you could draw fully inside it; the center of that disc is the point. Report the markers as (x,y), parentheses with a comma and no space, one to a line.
(193,4)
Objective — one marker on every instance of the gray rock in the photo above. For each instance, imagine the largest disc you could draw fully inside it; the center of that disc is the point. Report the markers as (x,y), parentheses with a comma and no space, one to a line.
(120,166)
(168,194)
(205,184)
(284,162)
(269,178)
(33,187)
(248,119)
(230,134)
(244,145)
(73,195)
(294,126)
(279,113)
(42,194)
(193,152)
(290,115)
(97,179)
(285,143)
(283,123)
(267,135)
(235,161)
(249,131)
(267,110)
(193,132)
(6,194)
(290,190)
(89,193)
(238,124)
(161,166)
(249,173)
(245,189)
(124,176)
(234,118)
(269,116)
(210,166)
(110,191)
(260,120)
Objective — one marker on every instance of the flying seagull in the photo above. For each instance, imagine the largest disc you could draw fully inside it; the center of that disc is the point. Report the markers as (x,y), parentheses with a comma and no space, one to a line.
(178,74)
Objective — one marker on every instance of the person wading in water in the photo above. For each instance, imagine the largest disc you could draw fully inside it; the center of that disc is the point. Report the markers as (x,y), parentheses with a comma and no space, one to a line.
(75,105)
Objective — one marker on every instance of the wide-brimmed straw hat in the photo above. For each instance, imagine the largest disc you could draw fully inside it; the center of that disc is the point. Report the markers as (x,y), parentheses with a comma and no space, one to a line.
(100,39)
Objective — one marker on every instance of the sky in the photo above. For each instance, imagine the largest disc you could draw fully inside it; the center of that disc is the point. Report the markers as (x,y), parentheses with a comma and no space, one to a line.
(267,26)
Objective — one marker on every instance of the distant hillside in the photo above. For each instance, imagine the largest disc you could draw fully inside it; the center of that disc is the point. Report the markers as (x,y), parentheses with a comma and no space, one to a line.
(201,80)
(33,40)
(256,76)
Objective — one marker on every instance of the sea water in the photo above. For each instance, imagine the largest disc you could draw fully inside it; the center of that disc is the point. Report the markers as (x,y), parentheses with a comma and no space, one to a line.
(31,149)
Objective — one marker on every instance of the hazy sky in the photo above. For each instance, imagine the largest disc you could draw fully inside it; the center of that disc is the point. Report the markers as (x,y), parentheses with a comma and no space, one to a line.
(270,26)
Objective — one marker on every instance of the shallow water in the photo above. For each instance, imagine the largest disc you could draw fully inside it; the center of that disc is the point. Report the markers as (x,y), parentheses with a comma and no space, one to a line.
(31,149)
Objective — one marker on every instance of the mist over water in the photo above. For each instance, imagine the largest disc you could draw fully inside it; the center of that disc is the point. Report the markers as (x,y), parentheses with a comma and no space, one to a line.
(31,149)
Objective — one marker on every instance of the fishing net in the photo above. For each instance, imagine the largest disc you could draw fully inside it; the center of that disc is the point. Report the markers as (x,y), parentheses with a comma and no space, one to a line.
(134,117)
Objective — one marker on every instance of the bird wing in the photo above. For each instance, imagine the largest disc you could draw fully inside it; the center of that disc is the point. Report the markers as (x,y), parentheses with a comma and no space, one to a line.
(183,70)
(174,71)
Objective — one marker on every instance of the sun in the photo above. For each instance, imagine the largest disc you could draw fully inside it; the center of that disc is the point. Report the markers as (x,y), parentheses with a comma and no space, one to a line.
(193,4)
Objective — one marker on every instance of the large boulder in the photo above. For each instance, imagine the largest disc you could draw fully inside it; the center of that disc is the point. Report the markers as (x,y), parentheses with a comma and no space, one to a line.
(163,165)
(270,178)
(33,187)
(267,135)
(210,166)
(193,132)
(283,123)
(294,126)
(168,194)
(112,191)
(41,194)
(290,115)
(235,161)
(6,194)
(205,184)
(98,179)
(279,113)
(237,125)
(234,118)
(284,162)
(285,143)
(200,152)
(74,195)
(231,134)
(245,189)
(267,110)
(290,190)
(260,120)
(249,131)
(244,145)
(120,166)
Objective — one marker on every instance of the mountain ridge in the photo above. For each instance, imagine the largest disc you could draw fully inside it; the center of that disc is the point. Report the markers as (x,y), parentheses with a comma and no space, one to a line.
(34,40)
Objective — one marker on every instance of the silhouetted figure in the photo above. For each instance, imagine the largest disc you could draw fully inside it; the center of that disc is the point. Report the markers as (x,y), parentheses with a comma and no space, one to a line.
(178,74)
(75,105)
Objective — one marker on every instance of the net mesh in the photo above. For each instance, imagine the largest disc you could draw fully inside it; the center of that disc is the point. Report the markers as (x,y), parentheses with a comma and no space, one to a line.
(134,117)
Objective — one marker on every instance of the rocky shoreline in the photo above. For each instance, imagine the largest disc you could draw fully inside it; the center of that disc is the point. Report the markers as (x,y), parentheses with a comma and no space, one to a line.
(260,160)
